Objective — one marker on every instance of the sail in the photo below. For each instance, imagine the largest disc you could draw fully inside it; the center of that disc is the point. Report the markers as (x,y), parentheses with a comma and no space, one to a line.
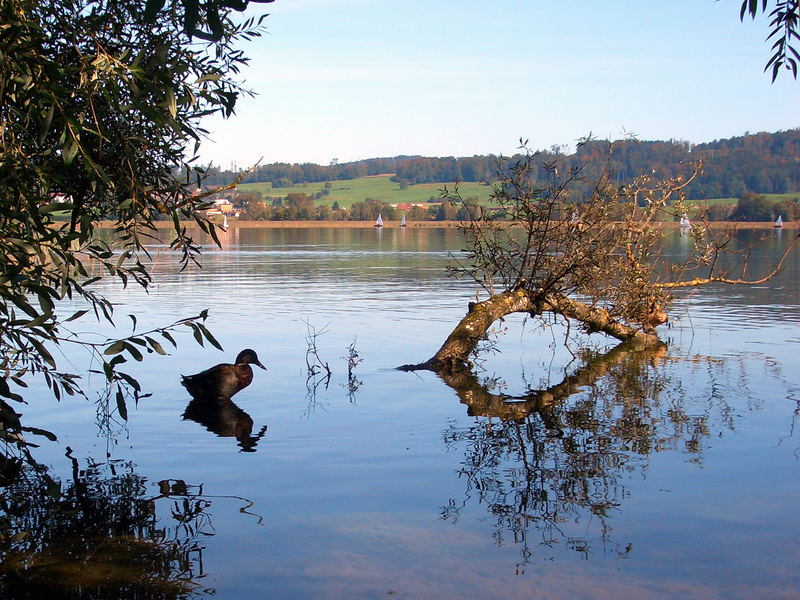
(779,222)
(379,221)
(403,221)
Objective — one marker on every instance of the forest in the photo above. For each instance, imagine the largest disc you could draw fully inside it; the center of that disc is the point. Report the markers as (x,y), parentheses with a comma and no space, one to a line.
(760,163)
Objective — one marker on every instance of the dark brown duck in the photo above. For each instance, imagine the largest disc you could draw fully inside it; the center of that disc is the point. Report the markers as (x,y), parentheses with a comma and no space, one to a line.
(222,381)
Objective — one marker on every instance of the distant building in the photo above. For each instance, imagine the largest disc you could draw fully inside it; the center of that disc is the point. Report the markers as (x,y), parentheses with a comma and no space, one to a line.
(405,206)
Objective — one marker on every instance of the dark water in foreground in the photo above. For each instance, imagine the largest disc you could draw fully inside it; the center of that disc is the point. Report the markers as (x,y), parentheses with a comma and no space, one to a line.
(659,476)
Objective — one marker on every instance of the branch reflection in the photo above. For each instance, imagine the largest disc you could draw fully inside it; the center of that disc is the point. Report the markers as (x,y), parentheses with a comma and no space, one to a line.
(98,535)
(550,465)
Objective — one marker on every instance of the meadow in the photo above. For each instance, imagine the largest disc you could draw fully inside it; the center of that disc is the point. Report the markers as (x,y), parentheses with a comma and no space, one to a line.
(380,187)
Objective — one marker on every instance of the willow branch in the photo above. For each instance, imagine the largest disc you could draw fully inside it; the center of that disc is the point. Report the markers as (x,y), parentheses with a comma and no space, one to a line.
(697,281)
(228,186)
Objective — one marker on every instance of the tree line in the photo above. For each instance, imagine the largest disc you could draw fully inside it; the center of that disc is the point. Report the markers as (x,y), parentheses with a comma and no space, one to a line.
(302,207)
(750,207)
(761,163)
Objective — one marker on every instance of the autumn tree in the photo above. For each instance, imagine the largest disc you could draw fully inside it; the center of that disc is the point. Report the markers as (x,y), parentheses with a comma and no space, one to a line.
(593,260)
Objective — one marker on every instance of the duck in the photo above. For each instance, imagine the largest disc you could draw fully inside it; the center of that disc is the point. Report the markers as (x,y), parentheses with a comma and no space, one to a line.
(222,381)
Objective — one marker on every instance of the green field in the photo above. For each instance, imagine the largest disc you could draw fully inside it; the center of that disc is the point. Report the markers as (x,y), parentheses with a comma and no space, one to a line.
(714,201)
(380,187)
(779,197)
(734,201)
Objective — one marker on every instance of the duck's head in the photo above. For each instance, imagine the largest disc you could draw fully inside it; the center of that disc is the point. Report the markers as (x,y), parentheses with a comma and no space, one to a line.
(249,357)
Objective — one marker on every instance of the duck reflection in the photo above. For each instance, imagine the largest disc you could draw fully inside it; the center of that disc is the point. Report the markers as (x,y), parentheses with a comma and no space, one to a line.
(225,419)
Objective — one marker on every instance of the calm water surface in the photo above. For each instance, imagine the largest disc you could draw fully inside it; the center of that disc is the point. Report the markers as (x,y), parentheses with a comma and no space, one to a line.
(663,476)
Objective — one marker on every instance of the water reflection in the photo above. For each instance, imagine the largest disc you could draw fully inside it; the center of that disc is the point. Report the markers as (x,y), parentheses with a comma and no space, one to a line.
(98,536)
(549,465)
(225,419)
(611,462)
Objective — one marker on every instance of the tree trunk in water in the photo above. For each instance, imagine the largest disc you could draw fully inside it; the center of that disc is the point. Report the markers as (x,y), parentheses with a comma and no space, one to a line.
(454,353)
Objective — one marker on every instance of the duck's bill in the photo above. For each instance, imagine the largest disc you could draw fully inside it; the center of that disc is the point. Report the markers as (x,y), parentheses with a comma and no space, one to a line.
(258,364)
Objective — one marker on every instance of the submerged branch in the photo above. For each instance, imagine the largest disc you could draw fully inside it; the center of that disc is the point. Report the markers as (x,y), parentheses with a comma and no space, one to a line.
(460,344)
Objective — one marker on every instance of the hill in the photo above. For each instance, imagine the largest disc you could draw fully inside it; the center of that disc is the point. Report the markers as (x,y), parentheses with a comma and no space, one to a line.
(381,187)
(762,163)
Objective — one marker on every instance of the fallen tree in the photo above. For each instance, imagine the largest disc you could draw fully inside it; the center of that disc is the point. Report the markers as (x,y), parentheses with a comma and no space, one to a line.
(595,261)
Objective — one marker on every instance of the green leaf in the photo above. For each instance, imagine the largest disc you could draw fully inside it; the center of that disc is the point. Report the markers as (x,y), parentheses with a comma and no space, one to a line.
(209,77)
(121,408)
(108,371)
(115,348)
(166,335)
(69,152)
(210,337)
(134,352)
(131,381)
(46,124)
(39,320)
(6,392)
(46,303)
(46,356)
(197,335)
(172,104)
(76,315)
(155,346)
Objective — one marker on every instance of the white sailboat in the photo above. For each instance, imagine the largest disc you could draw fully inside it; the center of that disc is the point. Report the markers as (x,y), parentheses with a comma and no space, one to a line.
(379,221)
(224,225)
(779,222)
(685,222)
(403,221)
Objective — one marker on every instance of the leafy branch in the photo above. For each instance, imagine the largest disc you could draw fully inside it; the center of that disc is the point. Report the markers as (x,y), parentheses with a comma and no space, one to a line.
(784,23)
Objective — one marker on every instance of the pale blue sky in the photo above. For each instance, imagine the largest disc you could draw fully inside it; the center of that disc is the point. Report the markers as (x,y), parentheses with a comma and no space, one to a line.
(353,79)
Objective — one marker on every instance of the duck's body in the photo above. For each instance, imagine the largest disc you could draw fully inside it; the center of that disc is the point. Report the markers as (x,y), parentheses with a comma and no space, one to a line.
(222,381)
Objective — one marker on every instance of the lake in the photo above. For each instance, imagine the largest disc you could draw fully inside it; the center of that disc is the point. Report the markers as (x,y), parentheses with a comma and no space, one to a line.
(670,474)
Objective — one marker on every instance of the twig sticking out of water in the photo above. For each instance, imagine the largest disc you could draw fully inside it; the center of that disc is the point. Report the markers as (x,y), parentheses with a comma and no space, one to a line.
(314,363)
(353,360)
(318,370)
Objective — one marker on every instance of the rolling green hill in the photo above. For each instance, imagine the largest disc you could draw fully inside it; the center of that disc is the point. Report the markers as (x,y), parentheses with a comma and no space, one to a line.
(380,187)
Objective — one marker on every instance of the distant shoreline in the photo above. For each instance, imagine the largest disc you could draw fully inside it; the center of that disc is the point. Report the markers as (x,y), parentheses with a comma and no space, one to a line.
(321,224)
(433,224)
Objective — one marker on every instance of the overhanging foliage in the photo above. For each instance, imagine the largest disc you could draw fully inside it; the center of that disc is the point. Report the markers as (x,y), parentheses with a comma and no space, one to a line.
(99,120)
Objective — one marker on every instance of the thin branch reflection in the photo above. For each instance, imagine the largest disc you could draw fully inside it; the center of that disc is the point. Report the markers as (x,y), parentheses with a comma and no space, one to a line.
(99,535)
(550,465)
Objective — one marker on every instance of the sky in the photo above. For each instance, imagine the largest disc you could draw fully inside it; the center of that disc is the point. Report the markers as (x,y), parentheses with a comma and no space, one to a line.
(347,80)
